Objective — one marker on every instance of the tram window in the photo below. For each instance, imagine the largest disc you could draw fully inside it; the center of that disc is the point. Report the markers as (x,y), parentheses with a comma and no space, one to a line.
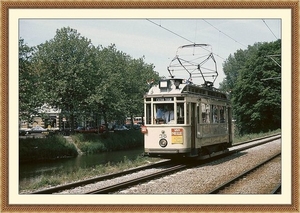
(180,113)
(198,114)
(188,113)
(164,113)
(148,114)
(205,113)
(159,113)
(215,114)
(223,114)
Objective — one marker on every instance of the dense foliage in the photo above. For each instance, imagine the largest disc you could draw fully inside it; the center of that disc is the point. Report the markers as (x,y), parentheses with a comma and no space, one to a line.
(94,143)
(50,148)
(56,146)
(254,83)
(68,72)
(30,96)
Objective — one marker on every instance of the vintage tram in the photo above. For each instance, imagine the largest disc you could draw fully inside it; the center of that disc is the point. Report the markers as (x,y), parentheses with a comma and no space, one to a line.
(186,120)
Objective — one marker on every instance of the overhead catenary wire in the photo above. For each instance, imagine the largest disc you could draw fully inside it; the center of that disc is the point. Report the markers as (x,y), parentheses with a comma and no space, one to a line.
(269,28)
(159,25)
(170,31)
(225,34)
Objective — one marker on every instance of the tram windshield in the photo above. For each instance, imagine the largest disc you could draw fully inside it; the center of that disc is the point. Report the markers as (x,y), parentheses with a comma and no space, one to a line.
(165,113)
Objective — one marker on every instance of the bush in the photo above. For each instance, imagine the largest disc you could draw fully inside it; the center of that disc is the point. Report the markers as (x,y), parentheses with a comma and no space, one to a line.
(93,143)
(49,148)
(56,146)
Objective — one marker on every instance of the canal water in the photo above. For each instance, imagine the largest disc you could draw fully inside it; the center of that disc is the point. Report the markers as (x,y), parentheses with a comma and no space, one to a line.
(33,170)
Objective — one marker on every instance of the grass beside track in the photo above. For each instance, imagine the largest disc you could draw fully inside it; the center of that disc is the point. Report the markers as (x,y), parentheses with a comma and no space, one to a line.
(62,177)
(238,139)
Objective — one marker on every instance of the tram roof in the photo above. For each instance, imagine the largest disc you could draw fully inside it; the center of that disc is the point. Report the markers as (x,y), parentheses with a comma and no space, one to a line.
(174,87)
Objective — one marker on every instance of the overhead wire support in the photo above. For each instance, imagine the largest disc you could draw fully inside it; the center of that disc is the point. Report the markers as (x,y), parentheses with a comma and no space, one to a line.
(265,79)
(271,57)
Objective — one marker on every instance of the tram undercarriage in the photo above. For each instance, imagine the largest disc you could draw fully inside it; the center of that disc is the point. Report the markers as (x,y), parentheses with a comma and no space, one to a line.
(196,153)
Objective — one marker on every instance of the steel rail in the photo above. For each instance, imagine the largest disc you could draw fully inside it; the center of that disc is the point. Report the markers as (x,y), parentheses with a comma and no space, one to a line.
(99,178)
(129,183)
(277,189)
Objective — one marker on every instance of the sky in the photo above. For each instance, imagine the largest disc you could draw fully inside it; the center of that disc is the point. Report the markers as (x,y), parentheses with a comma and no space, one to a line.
(158,39)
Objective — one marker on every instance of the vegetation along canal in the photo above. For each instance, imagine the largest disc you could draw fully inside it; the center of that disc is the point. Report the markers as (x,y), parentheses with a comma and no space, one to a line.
(36,169)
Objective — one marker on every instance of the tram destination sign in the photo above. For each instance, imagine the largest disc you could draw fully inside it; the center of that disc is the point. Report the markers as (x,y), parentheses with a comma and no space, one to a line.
(164,99)
(177,135)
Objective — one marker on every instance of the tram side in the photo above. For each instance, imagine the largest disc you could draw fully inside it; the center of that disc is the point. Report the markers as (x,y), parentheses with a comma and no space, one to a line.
(184,120)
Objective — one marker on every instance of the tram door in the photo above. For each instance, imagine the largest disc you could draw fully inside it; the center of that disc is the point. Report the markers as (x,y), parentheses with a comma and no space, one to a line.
(193,126)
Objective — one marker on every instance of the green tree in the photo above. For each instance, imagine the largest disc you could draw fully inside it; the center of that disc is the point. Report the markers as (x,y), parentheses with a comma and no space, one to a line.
(255,89)
(139,73)
(30,86)
(67,66)
(90,82)
(124,82)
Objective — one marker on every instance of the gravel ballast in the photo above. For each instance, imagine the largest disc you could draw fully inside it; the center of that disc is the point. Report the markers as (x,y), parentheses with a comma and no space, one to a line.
(204,178)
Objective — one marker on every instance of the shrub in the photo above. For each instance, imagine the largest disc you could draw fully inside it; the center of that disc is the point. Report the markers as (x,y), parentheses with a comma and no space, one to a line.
(93,143)
(31,149)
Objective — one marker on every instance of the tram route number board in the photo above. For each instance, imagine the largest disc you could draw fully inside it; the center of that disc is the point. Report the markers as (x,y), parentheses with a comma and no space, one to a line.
(177,135)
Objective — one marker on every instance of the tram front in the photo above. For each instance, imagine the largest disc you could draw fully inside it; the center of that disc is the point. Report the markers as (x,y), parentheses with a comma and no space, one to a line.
(167,129)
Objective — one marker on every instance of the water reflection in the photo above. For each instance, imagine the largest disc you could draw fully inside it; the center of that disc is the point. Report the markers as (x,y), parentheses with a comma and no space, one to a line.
(33,170)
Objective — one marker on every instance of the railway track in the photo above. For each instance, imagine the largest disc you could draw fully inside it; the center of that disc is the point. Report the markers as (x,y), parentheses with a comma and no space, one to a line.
(171,169)
(100,178)
(234,180)
(136,181)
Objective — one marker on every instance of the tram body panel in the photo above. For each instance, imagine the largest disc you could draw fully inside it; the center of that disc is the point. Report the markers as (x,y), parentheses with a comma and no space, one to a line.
(212,134)
(178,139)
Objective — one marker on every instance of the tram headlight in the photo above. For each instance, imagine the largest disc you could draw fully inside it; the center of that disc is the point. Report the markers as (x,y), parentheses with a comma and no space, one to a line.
(163,142)
(144,129)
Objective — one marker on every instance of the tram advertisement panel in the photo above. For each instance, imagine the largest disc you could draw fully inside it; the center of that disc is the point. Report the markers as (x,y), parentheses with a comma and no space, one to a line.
(177,135)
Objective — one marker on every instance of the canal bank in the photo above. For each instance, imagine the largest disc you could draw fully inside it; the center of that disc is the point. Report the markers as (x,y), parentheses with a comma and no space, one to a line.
(57,146)
(39,175)
(70,140)
(58,159)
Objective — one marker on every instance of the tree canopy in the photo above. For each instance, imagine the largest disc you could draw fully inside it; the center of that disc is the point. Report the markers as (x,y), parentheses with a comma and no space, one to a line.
(254,83)
(83,80)
(29,97)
